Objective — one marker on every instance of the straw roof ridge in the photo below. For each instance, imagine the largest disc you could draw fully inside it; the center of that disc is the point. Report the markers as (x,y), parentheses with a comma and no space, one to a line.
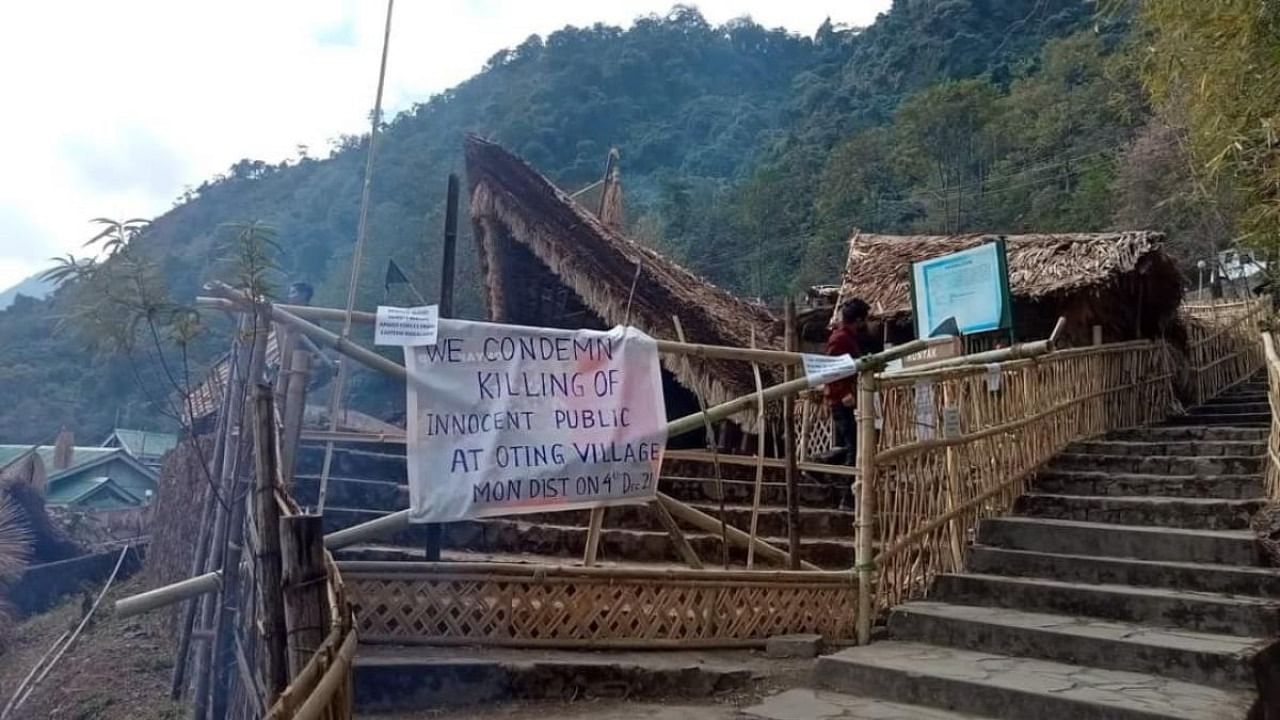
(1041,265)
(509,198)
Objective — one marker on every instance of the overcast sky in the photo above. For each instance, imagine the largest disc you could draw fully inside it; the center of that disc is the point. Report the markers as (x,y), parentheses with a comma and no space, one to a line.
(112,108)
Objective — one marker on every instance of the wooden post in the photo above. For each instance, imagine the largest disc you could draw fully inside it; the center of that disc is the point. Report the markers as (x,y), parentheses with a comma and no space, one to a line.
(303,580)
(789,441)
(295,405)
(433,530)
(267,526)
(1097,334)
(866,501)
(223,657)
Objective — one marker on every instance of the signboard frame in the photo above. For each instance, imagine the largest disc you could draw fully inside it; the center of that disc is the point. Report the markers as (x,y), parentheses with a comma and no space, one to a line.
(921,268)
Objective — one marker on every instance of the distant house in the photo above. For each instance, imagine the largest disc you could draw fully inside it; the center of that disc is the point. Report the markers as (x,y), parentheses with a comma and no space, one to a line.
(147,447)
(88,478)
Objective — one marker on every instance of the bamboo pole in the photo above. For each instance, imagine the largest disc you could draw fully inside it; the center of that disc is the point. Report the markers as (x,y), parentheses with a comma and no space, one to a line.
(706,523)
(866,502)
(594,527)
(760,431)
(670,347)
(168,594)
(433,530)
(267,527)
(713,448)
(677,536)
(303,582)
(338,390)
(789,441)
(294,408)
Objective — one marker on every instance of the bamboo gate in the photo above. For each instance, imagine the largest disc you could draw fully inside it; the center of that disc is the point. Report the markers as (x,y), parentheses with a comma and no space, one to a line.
(940,448)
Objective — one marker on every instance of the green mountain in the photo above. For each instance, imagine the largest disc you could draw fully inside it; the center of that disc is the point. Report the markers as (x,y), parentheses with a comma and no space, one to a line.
(747,152)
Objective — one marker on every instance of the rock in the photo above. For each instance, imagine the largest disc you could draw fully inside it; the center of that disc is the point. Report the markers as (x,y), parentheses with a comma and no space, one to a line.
(795,646)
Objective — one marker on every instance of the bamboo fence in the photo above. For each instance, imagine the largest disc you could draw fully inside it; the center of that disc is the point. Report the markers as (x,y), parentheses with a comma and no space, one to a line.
(958,445)
(519,605)
(1222,344)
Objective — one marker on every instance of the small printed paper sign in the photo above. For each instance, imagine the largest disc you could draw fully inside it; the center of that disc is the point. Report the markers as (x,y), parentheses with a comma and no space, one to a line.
(926,416)
(950,422)
(993,377)
(821,369)
(408,327)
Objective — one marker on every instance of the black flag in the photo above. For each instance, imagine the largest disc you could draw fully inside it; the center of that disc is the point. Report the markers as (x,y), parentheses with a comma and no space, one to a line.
(395,276)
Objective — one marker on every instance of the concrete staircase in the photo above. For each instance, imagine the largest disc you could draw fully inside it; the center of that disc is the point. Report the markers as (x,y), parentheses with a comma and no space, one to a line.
(365,485)
(1126,585)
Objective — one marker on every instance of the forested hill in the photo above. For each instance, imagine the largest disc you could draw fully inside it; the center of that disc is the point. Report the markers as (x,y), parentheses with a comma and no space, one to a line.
(748,153)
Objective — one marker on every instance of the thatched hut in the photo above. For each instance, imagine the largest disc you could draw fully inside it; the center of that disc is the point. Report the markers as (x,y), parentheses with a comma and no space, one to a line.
(1121,281)
(547,261)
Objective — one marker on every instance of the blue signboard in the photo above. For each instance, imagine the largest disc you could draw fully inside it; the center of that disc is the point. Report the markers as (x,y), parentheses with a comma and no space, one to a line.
(962,293)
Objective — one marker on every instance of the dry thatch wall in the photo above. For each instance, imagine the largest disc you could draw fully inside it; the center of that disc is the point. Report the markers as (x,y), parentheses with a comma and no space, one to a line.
(514,208)
(1122,281)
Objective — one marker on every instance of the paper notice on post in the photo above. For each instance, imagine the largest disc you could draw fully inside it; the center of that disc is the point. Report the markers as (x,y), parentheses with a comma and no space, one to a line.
(926,414)
(822,369)
(505,420)
(950,422)
(993,377)
(409,327)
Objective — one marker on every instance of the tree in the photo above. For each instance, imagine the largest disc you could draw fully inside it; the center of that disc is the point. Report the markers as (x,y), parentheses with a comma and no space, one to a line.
(1216,64)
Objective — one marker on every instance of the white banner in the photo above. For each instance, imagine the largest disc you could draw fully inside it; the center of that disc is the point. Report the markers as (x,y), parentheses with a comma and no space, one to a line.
(509,420)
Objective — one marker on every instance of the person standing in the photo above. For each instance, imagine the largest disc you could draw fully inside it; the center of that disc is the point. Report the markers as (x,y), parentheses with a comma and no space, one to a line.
(841,394)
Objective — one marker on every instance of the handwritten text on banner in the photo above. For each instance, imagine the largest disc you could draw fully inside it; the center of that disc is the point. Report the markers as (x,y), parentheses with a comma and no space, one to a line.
(507,420)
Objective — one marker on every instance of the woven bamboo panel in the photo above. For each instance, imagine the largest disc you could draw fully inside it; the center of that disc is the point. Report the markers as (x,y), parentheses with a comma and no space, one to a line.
(813,429)
(593,611)
(1223,345)
(931,493)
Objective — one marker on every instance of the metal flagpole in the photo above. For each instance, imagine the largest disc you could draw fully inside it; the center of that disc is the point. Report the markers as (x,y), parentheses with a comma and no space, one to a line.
(339,384)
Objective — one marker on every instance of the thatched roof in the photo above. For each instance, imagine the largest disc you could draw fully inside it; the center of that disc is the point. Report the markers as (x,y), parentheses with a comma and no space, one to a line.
(513,207)
(1041,266)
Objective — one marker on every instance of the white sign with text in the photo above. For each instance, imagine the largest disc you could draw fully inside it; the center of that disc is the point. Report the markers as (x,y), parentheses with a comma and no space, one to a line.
(821,369)
(506,420)
(409,327)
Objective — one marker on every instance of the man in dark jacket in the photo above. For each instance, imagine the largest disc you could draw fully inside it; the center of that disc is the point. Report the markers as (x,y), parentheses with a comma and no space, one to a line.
(842,394)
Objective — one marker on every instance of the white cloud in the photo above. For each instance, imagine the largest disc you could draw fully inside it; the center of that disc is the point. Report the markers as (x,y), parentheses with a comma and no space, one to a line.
(114,107)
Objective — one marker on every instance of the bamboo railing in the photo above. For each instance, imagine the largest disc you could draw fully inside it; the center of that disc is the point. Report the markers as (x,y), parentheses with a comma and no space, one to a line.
(1273,395)
(1222,344)
(958,445)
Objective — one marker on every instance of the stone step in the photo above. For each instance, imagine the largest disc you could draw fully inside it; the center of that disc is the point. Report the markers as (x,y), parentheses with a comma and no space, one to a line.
(809,704)
(350,463)
(1007,687)
(1070,482)
(1167,433)
(704,490)
(1232,408)
(1193,657)
(1159,464)
(505,536)
(1244,396)
(1162,607)
(1068,537)
(1167,512)
(1203,577)
(1221,420)
(1183,448)
(380,497)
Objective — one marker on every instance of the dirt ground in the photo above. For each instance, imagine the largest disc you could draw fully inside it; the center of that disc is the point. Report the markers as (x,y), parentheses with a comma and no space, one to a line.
(117,669)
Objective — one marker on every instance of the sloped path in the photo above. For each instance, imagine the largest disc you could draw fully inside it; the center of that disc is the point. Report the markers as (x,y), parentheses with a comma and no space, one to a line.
(1125,586)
